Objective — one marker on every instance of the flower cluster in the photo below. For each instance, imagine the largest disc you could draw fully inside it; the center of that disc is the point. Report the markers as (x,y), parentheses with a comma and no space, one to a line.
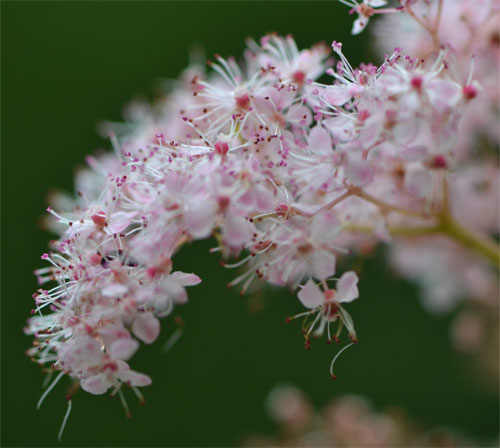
(285,172)
(469,31)
(347,421)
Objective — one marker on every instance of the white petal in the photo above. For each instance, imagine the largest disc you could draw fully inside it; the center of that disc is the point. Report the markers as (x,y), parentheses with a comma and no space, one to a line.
(123,348)
(95,384)
(325,226)
(310,295)
(175,291)
(359,172)
(443,94)
(341,128)
(135,378)
(336,95)
(406,131)
(237,231)
(418,182)
(319,140)
(359,25)
(377,3)
(200,218)
(322,264)
(146,327)
(415,153)
(118,222)
(186,279)
(347,287)
(114,290)
(299,115)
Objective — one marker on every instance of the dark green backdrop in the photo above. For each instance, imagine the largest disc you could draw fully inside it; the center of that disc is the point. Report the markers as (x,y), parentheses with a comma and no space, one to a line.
(68,65)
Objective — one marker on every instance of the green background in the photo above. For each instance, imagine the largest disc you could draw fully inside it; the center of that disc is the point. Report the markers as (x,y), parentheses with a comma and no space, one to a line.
(68,65)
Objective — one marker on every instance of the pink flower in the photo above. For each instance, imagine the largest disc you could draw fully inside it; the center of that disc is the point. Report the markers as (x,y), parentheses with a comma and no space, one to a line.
(364,10)
(312,297)
(111,375)
(326,304)
(287,174)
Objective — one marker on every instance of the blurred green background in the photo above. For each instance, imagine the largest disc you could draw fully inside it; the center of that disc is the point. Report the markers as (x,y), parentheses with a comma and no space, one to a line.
(68,65)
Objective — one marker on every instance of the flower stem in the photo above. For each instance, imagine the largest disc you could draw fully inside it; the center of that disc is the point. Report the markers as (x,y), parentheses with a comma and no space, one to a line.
(481,244)
(446,225)
(384,205)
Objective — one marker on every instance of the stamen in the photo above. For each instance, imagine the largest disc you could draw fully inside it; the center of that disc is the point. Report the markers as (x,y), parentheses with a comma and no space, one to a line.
(315,321)
(44,395)
(65,419)
(336,357)
(140,397)
(172,340)
(237,264)
(124,403)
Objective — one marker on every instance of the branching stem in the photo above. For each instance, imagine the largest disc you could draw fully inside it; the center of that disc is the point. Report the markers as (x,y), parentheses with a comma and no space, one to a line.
(446,225)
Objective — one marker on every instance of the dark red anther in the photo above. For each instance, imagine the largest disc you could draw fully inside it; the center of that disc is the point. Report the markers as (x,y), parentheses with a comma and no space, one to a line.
(363,114)
(282,209)
(111,366)
(243,101)
(288,320)
(416,82)
(470,91)
(221,148)
(223,202)
(439,161)
(334,377)
(299,77)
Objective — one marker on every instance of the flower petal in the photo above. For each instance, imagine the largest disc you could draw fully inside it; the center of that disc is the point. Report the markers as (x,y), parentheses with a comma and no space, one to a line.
(359,25)
(96,384)
(418,181)
(135,378)
(237,231)
(347,287)
(359,172)
(319,140)
(146,327)
(123,348)
(336,95)
(310,295)
(119,221)
(175,291)
(186,279)
(129,376)
(322,264)
(325,226)
(200,218)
